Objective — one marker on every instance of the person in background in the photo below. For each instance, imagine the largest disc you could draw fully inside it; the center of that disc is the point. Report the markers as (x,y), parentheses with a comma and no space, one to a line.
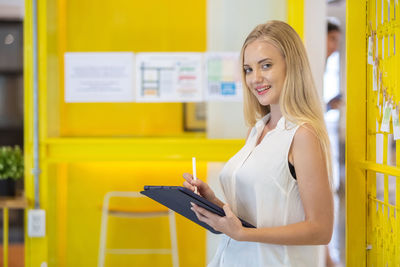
(280,180)
(333,105)
(333,38)
(332,45)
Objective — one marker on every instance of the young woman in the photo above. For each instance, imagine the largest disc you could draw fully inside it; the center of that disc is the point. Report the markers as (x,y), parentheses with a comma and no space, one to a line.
(279,181)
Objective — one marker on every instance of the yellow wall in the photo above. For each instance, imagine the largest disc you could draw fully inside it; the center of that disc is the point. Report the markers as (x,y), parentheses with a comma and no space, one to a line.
(126,25)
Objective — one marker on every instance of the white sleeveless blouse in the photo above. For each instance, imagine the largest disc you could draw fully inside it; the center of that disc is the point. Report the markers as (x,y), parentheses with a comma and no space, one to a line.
(260,189)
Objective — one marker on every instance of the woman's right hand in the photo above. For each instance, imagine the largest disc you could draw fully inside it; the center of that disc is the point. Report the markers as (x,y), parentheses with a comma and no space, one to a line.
(202,187)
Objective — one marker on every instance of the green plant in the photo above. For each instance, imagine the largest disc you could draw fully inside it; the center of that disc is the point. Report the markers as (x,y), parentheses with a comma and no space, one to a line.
(11,162)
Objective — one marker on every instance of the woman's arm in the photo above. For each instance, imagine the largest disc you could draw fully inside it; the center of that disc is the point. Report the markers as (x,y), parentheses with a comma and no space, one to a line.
(316,197)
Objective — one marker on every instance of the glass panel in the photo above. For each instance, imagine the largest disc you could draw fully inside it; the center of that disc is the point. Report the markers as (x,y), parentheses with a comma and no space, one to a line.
(379,148)
(380,186)
(392,190)
(391,151)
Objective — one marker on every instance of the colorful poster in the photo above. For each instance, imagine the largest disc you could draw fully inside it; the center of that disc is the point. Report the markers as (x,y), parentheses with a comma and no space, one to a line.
(99,77)
(169,77)
(222,76)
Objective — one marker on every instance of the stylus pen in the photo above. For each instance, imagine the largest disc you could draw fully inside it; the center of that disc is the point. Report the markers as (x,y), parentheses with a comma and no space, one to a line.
(194,173)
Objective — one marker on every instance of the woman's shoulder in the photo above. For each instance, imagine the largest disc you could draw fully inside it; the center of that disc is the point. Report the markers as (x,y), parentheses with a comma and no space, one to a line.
(305,136)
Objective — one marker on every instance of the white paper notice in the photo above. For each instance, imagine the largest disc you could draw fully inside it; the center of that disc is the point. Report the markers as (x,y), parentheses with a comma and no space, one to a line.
(385,126)
(99,77)
(370,50)
(222,77)
(374,78)
(169,77)
(396,124)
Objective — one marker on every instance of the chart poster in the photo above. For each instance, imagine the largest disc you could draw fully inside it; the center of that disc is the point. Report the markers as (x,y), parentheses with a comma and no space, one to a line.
(222,76)
(169,77)
(99,77)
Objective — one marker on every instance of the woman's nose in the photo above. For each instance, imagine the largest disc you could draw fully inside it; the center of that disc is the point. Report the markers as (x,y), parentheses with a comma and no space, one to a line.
(257,77)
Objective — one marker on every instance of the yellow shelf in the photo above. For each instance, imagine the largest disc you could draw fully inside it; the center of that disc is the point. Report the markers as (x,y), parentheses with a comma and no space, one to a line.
(140,149)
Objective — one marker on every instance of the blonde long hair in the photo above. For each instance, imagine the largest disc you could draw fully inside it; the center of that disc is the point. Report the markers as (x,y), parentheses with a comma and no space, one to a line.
(299,100)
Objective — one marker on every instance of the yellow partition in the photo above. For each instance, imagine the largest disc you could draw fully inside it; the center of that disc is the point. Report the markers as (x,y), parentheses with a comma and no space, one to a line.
(372,154)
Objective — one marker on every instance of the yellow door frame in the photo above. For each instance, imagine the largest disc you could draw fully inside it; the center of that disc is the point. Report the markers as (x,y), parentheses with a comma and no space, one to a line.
(356,129)
(295,16)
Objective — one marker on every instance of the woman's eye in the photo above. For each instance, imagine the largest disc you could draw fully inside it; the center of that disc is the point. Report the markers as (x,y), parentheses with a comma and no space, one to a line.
(266,66)
(247,70)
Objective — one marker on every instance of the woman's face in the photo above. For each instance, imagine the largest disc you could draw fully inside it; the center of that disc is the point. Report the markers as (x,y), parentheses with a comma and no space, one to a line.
(265,71)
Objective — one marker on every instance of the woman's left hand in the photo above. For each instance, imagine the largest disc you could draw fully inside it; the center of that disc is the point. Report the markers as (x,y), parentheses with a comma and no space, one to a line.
(229,224)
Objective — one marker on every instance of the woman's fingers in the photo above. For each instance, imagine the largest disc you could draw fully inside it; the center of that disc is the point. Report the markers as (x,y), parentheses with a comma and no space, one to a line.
(200,216)
(189,182)
(205,213)
(188,185)
(189,178)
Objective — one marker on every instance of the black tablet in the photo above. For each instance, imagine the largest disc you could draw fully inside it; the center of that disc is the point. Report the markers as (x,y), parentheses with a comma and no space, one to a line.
(178,199)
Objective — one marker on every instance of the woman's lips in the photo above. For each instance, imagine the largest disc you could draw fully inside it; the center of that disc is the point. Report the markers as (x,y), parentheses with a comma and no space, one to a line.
(262,89)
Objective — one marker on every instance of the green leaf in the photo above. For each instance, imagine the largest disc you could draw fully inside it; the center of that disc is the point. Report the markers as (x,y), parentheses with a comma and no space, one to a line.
(11,162)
